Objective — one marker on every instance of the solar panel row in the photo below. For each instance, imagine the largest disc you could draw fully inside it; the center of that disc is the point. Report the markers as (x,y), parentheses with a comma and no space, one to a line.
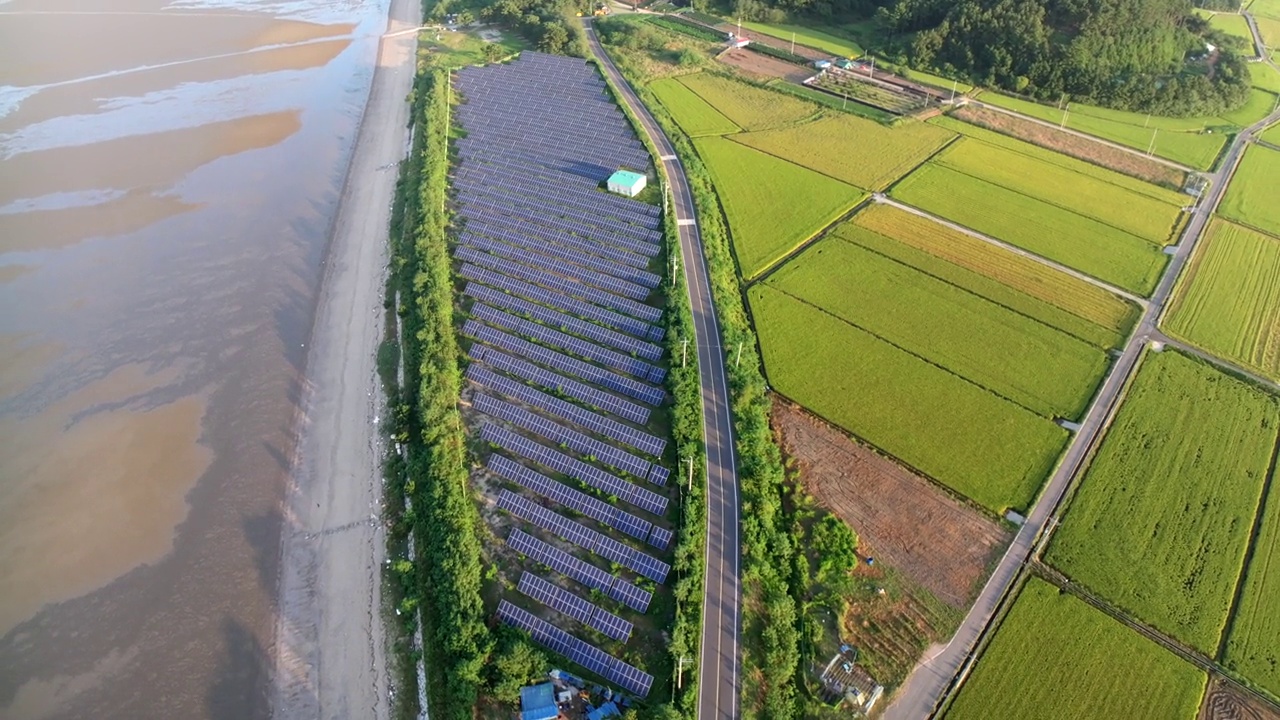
(575,606)
(583,572)
(575,500)
(600,220)
(627,236)
(594,422)
(506,228)
(527,371)
(578,470)
(586,198)
(556,265)
(579,253)
(582,536)
(660,537)
(592,658)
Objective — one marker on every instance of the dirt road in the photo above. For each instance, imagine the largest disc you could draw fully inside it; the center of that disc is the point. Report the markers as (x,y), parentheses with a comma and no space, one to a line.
(328,651)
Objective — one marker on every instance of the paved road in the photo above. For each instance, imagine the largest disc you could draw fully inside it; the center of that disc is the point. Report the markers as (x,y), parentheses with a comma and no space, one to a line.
(718,665)
(930,680)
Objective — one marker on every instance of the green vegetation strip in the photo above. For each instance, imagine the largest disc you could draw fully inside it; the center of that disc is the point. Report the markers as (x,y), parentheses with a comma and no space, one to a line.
(1160,523)
(1039,367)
(773,205)
(1253,641)
(1229,298)
(1251,196)
(1056,658)
(980,445)
(857,151)
(750,107)
(1021,284)
(695,116)
(809,37)
(1085,244)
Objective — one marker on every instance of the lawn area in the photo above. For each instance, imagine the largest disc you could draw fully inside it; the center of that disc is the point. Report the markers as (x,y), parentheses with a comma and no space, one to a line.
(748,106)
(937,81)
(1021,284)
(1259,105)
(857,151)
(981,446)
(1231,24)
(1041,368)
(809,36)
(772,205)
(459,49)
(1162,518)
(1082,193)
(1180,139)
(693,114)
(1271,134)
(1056,658)
(1228,301)
(1264,77)
(1269,29)
(1253,640)
(1085,244)
(1251,196)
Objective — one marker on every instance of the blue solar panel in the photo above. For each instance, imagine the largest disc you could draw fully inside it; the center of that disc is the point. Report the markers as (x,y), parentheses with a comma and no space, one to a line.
(613,670)
(582,572)
(576,607)
(660,537)
(555,265)
(526,370)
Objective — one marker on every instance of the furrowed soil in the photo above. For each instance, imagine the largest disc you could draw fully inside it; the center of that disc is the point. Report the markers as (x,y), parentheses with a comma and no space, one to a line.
(1224,701)
(764,67)
(930,537)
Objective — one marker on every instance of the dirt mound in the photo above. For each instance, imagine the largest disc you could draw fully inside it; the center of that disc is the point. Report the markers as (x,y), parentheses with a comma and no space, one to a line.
(1227,702)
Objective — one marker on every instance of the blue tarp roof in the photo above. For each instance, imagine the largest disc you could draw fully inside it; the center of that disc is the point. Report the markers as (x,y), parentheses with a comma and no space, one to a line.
(604,711)
(538,702)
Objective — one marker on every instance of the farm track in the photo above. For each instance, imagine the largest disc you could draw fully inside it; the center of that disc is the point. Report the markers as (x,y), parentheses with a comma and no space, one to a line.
(718,682)
(940,674)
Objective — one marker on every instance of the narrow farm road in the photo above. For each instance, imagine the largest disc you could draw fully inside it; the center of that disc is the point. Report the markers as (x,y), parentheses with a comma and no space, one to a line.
(929,682)
(719,657)
(1258,43)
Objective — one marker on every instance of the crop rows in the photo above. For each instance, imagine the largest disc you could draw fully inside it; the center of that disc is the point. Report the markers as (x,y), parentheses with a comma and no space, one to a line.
(748,106)
(898,102)
(694,115)
(1251,196)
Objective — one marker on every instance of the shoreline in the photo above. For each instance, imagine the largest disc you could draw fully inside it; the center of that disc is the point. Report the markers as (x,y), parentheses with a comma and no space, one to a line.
(328,650)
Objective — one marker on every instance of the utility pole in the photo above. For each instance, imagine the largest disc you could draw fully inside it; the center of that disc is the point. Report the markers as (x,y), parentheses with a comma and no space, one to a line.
(953,91)
(1065,114)
(873,68)
(1151,148)
(793,43)
(1147,121)
(689,488)
(684,353)
(738,362)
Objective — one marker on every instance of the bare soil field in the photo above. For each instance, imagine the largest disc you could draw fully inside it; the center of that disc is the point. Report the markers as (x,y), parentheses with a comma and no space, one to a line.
(763,67)
(1068,144)
(1224,701)
(930,537)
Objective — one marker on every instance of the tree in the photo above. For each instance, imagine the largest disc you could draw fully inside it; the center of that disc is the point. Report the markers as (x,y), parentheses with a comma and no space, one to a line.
(515,662)
(493,52)
(555,38)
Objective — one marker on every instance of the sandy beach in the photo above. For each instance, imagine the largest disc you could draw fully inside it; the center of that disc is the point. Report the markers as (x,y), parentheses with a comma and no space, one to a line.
(329,643)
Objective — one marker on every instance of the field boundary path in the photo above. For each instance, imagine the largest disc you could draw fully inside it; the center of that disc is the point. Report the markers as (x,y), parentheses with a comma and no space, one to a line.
(936,676)
(718,682)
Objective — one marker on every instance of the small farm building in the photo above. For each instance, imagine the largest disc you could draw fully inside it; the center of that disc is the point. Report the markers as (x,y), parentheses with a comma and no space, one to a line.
(625,182)
(538,702)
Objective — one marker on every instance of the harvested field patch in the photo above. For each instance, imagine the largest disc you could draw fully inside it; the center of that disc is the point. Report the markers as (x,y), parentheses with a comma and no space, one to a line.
(762,66)
(1039,367)
(1251,196)
(1253,638)
(693,114)
(1092,247)
(1056,658)
(1084,193)
(1051,138)
(930,537)
(1225,701)
(1229,298)
(748,106)
(983,447)
(1016,282)
(770,218)
(857,151)
(1161,521)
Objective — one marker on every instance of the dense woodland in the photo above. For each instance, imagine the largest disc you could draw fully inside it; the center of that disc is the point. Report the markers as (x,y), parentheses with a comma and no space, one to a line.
(1144,55)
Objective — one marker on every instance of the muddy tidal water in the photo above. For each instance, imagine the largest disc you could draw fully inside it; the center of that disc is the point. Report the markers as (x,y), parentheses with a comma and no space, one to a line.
(169,172)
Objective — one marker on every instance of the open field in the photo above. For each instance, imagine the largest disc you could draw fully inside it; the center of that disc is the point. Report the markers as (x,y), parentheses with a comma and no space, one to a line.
(936,81)
(770,219)
(1253,638)
(896,101)
(1016,282)
(1269,29)
(1264,77)
(694,115)
(1093,153)
(1085,244)
(927,535)
(748,106)
(1043,369)
(808,36)
(1160,523)
(1225,702)
(1176,141)
(1271,134)
(763,67)
(1056,658)
(1229,298)
(983,447)
(1231,24)
(1084,193)
(1251,196)
(859,152)
(1259,105)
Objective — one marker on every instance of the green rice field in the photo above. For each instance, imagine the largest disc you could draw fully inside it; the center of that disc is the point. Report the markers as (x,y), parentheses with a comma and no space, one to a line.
(1271,135)
(983,447)
(1056,658)
(1039,367)
(1264,77)
(1229,298)
(1253,641)
(770,219)
(857,151)
(694,115)
(1085,194)
(1022,284)
(1231,24)
(1251,198)
(746,105)
(810,37)
(1079,242)
(1161,521)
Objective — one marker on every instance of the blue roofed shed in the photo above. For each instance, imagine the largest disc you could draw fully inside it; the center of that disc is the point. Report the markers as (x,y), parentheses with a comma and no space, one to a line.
(606,710)
(538,702)
(625,182)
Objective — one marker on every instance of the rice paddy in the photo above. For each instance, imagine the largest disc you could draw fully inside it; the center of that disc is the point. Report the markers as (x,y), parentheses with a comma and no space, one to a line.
(1251,197)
